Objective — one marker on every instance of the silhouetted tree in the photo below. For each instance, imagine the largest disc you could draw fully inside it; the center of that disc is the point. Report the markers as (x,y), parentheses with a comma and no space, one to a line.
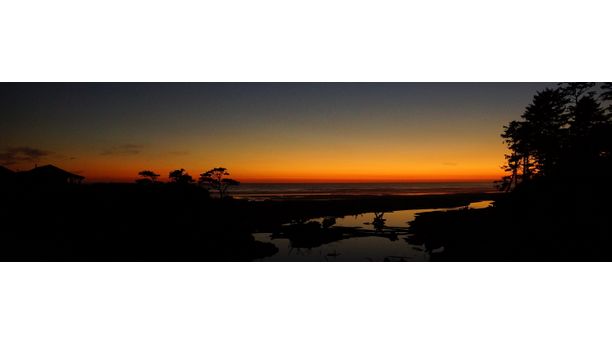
(589,139)
(180,177)
(328,222)
(564,133)
(510,181)
(215,179)
(379,221)
(586,115)
(574,91)
(534,141)
(606,95)
(519,162)
(147,177)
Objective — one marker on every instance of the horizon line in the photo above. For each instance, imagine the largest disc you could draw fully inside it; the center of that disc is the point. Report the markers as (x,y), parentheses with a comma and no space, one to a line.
(326,181)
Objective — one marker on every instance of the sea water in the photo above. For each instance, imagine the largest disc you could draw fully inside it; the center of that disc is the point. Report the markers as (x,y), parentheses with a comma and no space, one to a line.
(325,190)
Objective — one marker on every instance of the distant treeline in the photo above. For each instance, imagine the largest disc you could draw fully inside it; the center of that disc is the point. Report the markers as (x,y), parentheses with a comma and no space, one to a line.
(214,179)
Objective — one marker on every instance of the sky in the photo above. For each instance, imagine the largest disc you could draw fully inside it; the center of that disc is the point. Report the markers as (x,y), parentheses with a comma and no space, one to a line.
(263,132)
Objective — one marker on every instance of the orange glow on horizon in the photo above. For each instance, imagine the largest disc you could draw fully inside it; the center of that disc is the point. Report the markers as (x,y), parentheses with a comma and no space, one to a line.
(129,174)
(373,180)
(387,170)
(268,132)
(316,159)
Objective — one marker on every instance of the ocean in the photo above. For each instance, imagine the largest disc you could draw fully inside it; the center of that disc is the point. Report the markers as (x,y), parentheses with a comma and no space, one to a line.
(324,190)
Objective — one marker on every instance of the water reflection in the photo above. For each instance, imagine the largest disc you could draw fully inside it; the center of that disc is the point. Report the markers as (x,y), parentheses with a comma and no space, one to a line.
(347,250)
(382,246)
(395,219)
(480,204)
(379,222)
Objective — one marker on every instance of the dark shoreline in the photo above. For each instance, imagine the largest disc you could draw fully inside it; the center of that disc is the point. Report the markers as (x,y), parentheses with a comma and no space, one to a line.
(308,208)
(542,223)
(130,222)
(308,230)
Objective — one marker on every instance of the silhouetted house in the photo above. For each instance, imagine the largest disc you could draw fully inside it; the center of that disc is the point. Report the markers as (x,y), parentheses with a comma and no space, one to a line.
(50,175)
(6,176)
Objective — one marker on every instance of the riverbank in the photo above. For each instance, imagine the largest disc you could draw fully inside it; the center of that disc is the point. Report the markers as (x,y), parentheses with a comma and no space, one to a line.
(370,236)
(534,225)
(281,211)
(168,222)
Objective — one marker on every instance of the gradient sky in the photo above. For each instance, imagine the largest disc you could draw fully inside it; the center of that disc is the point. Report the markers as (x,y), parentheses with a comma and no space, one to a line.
(263,131)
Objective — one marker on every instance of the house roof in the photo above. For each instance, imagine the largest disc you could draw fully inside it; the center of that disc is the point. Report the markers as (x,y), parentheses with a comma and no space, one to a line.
(4,172)
(51,171)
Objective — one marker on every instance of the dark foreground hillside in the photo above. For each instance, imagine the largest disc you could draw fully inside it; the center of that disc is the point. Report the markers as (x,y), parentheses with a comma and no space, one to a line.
(126,222)
(167,222)
(163,222)
(541,222)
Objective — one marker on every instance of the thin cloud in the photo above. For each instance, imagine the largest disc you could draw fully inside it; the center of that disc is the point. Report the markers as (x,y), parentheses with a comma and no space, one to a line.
(449,163)
(178,152)
(63,157)
(127,149)
(23,154)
